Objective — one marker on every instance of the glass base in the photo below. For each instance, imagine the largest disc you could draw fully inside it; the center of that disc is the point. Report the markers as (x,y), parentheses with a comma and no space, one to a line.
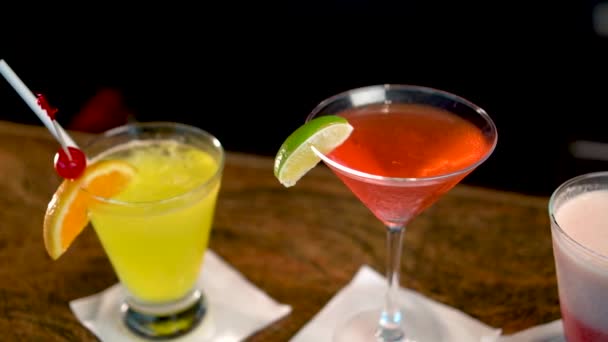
(151,323)
(417,326)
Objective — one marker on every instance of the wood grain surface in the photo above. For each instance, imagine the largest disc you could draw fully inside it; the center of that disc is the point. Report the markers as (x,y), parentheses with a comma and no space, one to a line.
(485,252)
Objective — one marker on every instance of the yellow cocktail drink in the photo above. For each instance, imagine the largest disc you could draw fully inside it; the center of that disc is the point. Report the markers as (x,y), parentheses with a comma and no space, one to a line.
(150,193)
(156,240)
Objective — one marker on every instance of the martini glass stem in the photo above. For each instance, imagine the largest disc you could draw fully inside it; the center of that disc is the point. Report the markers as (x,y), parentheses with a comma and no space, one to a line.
(390,323)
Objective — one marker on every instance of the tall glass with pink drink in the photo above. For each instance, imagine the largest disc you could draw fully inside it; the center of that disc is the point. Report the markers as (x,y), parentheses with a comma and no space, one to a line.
(579,226)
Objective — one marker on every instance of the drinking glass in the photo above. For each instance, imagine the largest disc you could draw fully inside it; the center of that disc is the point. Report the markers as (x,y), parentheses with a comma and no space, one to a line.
(157,246)
(579,225)
(417,140)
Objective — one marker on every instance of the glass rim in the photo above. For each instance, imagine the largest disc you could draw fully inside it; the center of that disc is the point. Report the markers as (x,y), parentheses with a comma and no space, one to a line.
(555,225)
(165,124)
(406,87)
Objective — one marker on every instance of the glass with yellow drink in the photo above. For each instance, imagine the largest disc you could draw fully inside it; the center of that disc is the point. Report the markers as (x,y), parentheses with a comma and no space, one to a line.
(156,229)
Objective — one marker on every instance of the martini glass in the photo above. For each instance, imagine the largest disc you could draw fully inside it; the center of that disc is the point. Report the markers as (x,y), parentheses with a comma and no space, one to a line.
(410,145)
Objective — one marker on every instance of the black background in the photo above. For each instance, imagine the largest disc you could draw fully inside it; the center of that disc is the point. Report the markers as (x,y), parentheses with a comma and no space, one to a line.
(250,73)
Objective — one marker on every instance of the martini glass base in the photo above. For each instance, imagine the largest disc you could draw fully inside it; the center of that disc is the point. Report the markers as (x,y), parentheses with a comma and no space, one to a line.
(418,326)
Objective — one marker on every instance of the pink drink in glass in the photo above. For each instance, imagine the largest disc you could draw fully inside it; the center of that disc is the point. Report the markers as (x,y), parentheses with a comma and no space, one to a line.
(407,140)
(410,145)
(579,213)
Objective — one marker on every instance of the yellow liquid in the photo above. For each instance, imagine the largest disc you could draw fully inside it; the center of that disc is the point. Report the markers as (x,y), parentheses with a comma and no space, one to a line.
(157,248)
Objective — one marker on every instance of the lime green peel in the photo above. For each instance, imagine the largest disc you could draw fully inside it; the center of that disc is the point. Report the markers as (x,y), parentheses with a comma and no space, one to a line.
(296,157)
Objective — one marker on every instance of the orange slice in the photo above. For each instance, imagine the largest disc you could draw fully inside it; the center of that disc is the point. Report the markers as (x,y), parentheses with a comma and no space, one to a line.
(67,212)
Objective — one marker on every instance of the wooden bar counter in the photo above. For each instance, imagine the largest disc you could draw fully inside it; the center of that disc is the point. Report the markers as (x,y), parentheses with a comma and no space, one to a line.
(485,252)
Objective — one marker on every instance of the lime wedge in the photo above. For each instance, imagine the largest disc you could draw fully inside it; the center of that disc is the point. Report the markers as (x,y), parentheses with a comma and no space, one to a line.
(295,157)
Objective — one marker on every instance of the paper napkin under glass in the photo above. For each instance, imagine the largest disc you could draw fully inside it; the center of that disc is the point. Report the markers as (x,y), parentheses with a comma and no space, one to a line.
(549,332)
(366,291)
(236,308)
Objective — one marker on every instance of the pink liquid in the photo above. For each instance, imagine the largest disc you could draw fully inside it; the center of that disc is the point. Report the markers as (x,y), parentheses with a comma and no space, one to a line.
(407,140)
(577,331)
(583,277)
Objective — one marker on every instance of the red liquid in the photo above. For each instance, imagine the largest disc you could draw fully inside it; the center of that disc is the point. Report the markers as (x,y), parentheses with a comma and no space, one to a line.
(576,331)
(406,140)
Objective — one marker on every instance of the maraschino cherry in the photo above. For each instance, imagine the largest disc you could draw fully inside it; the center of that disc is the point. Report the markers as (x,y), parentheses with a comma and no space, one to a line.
(70,162)
(70,167)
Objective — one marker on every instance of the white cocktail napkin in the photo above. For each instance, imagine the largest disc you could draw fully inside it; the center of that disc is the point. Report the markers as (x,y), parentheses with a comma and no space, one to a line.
(236,308)
(550,332)
(366,291)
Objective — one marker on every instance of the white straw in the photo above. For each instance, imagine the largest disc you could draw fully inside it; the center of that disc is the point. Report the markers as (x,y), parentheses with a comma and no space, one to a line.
(32,101)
